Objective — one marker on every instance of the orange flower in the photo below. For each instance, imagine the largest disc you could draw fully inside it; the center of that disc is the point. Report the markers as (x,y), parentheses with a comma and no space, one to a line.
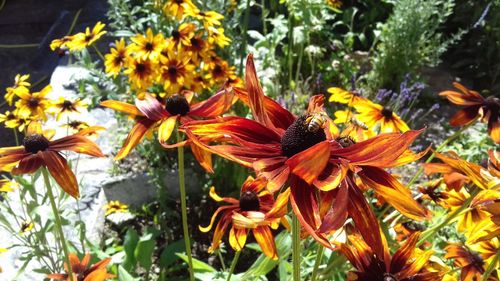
(151,114)
(471,262)
(301,150)
(256,210)
(475,106)
(82,271)
(405,264)
(38,150)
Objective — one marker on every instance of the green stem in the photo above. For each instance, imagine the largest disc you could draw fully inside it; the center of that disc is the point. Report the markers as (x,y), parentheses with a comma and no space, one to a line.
(57,221)
(491,266)
(223,264)
(15,46)
(246,20)
(233,264)
(431,231)
(289,50)
(99,53)
(15,136)
(317,263)
(73,23)
(296,247)
(182,187)
(264,27)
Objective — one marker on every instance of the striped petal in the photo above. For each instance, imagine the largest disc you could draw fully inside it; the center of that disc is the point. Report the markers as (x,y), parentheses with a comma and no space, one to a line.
(151,107)
(237,238)
(61,172)
(166,128)
(123,107)
(28,165)
(135,137)
(265,239)
(309,163)
(214,106)
(78,144)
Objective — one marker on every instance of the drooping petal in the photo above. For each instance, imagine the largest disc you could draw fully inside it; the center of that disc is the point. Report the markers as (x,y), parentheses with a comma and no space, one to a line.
(465,116)
(126,108)
(305,207)
(471,170)
(279,208)
(225,209)
(265,239)
(217,198)
(465,98)
(336,217)
(28,165)
(256,95)
(404,253)
(214,106)
(219,231)
(7,162)
(393,192)
(135,137)
(78,144)
(309,163)
(274,170)
(151,107)
(365,221)
(331,176)
(61,172)
(237,238)
(203,157)
(166,128)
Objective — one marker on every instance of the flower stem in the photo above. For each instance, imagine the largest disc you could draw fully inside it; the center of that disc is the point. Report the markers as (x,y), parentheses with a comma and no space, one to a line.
(99,53)
(57,218)
(319,256)
(182,187)
(296,247)
(246,21)
(491,266)
(15,136)
(233,264)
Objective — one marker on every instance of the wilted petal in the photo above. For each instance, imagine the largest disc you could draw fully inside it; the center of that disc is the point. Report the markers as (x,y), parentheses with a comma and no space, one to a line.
(61,172)
(219,231)
(265,239)
(214,216)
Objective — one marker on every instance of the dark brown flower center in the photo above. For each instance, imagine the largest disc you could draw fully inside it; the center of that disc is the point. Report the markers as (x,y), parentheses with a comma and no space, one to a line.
(476,259)
(140,68)
(492,104)
(218,70)
(389,277)
(67,105)
(172,70)
(387,113)
(35,143)
(177,105)
(33,102)
(345,141)
(149,46)
(176,35)
(249,201)
(298,138)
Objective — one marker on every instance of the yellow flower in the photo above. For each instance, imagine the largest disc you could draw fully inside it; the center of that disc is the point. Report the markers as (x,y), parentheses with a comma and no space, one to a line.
(373,114)
(64,107)
(115,60)
(183,34)
(334,3)
(115,207)
(33,104)
(218,71)
(197,49)
(216,35)
(179,8)
(8,185)
(140,72)
(7,118)
(87,38)
(147,47)
(175,72)
(209,18)
(20,84)
(76,126)
(61,43)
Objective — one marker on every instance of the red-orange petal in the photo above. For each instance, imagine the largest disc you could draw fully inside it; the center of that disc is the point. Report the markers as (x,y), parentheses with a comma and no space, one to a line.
(28,165)
(465,116)
(78,144)
(255,94)
(135,137)
(203,157)
(336,217)
(61,172)
(265,239)
(404,253)
(214,106)
(151,107)
(8,161)
(126,108)
(309,163)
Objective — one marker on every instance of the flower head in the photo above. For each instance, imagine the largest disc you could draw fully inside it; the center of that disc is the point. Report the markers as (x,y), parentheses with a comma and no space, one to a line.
(115,60)
(255,210)
(38,150)
(20,84)
(84,39)
(82,271)
(147,47)
(115,207)
(33,105)
(475,106)
(65,107)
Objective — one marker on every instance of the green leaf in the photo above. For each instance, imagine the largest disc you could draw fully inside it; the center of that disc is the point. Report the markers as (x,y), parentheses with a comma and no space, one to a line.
(168,255)
(198,265)
(129,244)
(144,250)
(123,275)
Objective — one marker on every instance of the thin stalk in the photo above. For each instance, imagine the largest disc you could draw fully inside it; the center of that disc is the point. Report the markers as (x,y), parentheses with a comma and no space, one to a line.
(233,264)
(223,264)
(431,231)
(15,136)
(182,187)
(295,247)
(57,221)
(73,23)
(264,27)
(289,50)
(246,21)
(299,62)
(15,46)
(99,53)
(491,266)
(317,263)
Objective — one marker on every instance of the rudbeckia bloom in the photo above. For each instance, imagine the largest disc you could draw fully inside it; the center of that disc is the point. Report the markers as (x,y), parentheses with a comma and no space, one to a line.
(404,265)
(178,8)
(183,34)
(82,271)
(151,114)
(8,185)
(141,73)
(175,71)
(256,210)
(475,106)
(471,262)
(373,114)
(38,150)
(282,147)
(147,47)
(210,18)
(20,84)
(65,107)
(115,60)
(33,104)
(87,38)
(115,207)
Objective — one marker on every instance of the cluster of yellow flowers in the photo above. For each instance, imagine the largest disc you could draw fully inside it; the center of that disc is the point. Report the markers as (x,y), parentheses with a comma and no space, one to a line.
(185,60)
(80,40)
(35,106)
